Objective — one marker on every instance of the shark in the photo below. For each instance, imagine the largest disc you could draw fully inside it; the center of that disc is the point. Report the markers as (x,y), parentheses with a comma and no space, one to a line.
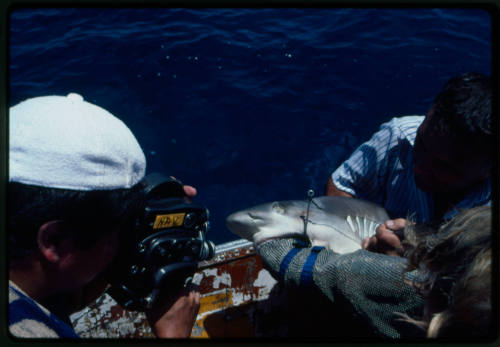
(335,222)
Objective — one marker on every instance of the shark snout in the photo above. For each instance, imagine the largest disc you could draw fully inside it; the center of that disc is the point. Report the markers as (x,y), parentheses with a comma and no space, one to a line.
(243,218)
(240,223)
(246,223)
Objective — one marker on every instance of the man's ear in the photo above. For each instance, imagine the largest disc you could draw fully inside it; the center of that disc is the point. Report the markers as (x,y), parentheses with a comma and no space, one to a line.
(50,241)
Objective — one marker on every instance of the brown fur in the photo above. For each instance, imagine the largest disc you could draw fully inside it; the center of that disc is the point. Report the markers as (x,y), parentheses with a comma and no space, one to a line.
(456,267)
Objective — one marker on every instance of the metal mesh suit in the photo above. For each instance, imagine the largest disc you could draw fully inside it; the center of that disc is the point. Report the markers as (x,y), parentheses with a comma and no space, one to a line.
(365,287)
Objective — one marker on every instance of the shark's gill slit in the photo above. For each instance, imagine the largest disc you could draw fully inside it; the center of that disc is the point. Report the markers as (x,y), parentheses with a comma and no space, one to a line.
(351,224)
(360,227)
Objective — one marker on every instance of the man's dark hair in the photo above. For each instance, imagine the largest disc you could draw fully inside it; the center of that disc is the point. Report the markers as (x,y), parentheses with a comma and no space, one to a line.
(85,215)
(463,108)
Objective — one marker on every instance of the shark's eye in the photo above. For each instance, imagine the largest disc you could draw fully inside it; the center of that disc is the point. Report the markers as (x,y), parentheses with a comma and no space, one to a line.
(278,208)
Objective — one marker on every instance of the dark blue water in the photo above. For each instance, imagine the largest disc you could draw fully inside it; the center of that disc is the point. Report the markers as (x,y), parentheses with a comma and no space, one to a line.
(248,105)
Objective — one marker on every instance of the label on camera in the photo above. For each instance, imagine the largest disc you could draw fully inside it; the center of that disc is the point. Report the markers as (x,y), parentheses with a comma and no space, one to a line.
(163,221)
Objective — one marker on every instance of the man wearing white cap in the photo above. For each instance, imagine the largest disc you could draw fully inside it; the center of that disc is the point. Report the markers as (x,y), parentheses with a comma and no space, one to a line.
(73,194)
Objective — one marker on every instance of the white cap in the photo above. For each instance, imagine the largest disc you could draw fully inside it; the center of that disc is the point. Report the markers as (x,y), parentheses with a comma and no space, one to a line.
(66,142)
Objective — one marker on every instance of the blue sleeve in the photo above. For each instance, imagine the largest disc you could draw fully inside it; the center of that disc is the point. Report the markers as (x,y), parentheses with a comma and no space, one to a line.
(363,175)
(28,320)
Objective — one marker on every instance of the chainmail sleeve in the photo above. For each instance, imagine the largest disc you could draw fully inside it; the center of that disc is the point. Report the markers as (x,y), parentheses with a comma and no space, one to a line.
(369,285)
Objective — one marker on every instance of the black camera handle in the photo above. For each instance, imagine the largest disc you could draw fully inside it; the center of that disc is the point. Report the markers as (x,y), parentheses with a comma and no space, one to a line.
(159,185)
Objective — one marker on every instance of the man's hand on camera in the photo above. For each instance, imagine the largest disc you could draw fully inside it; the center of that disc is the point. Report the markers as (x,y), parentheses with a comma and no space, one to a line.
(190,191)
(387,239)
(176,315)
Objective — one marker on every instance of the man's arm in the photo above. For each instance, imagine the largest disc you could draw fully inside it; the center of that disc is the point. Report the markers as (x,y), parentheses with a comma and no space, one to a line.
(332,190)
(176,315)
(364,174)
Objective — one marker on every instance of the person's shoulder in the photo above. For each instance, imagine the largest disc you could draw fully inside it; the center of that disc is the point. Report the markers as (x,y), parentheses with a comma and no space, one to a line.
(405,126)
(25,318)
(29,319)
(406,121)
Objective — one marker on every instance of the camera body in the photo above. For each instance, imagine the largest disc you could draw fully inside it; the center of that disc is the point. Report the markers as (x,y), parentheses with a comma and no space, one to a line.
(163,254)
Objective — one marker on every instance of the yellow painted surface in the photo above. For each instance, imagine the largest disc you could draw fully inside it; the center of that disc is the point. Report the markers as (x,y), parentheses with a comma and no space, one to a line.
(216,302)
(210,304)
(214,308)
(169,220)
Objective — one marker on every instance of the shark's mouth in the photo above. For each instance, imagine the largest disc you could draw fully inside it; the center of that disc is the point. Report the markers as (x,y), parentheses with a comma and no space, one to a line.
(257,220)
(254,216)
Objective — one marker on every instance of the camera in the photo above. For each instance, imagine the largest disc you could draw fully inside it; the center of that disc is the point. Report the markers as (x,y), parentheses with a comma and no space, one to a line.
(163,253)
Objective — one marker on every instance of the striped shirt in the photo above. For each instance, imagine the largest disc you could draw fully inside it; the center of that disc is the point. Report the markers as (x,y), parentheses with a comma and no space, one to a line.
(381,171)
(29,319)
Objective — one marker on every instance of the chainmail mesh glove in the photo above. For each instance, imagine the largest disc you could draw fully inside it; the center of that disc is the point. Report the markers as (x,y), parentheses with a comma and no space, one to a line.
(368,285)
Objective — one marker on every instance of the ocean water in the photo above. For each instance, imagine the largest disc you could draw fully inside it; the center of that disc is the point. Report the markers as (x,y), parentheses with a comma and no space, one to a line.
(247,105)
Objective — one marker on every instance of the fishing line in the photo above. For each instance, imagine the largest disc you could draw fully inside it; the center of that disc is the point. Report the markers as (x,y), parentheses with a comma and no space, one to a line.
(310,194)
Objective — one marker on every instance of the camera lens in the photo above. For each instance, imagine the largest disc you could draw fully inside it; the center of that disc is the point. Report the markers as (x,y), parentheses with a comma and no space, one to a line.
(189,220)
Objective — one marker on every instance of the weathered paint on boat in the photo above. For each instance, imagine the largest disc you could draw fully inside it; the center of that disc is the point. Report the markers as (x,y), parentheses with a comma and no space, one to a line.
(234,288)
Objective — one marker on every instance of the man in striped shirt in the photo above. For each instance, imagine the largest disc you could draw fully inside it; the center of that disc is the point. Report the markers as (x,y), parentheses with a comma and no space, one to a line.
(425,168)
